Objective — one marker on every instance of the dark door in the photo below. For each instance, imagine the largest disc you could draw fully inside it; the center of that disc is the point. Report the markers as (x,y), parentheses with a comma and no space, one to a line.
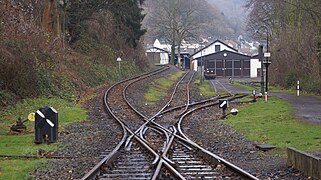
(237,68)
(229,70)
(219,68)
(246,68)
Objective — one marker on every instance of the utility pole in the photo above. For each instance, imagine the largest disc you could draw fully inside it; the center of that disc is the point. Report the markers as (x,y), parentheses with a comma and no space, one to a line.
(262,67)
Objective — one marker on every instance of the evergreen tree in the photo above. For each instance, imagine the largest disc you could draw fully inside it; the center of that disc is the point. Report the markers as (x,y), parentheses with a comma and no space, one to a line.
(127,13)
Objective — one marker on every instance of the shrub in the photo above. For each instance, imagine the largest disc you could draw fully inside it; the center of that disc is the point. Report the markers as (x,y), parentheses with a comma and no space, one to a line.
(311,85)
(290,80)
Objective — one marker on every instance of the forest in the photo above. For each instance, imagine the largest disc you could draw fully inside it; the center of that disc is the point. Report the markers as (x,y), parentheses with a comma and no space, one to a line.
(293,31)
(63,47)
(208,19)
(194,21)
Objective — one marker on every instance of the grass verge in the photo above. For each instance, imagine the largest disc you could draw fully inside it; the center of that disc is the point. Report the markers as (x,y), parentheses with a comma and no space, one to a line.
(23,143)
(271,88)
(206,89)
(158,88)
(274,123)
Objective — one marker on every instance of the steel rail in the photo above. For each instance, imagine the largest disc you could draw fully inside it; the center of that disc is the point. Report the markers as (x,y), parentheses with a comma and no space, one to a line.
(160,131)
(141,129)
(188,95)
(215,98)
(201,107)
(175,89)
(93,172)
(206,152)
(148,120)
(167,162)
(164,160)
(214,158)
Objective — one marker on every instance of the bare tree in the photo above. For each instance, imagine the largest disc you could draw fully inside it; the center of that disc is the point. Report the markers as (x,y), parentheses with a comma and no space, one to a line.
(175,20)
(294,32)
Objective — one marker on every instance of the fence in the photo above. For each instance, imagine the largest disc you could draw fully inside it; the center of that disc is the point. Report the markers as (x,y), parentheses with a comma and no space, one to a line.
(306,163)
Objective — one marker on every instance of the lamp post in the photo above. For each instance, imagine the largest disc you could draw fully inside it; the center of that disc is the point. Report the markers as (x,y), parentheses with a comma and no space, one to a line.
(118,60)
(267,63)
(267,55)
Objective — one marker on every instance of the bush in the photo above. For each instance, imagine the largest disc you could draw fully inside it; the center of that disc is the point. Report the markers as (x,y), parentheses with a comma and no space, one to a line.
(290,80)
(311,85)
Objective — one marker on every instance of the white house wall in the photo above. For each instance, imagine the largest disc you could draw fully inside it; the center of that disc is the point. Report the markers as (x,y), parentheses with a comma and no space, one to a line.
(211,49)
(194,63)
(255,64)
(164,58)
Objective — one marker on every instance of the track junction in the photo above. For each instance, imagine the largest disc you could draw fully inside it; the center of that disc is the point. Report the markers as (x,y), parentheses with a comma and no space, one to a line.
(154,146)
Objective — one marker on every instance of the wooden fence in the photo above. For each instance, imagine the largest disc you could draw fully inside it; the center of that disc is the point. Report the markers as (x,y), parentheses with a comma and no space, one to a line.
(309,164)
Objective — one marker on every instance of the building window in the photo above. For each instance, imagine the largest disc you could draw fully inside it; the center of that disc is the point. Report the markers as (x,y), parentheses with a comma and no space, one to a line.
(217,48)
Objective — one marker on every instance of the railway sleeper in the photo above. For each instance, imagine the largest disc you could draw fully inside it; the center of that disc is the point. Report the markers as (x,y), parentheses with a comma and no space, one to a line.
(125,176)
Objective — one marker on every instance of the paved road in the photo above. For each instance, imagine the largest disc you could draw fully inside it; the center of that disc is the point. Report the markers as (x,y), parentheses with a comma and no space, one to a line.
(306,107)
(223,85)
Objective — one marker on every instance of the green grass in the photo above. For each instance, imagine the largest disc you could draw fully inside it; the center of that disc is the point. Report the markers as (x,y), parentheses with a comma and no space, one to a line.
(23,144)
(206,89)
(17,169)
(246,87)
(271,88)
(274,123)
(158,88)
(67,112)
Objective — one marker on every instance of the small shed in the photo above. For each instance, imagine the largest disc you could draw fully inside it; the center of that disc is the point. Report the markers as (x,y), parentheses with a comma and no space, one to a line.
(157,56)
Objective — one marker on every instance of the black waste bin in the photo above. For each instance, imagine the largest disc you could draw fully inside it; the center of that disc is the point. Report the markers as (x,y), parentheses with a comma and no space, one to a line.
(46,125)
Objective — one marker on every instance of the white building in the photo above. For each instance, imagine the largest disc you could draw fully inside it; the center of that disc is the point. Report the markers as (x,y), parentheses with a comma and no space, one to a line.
(214,47)
(255,67)
(157,56)
(225,61)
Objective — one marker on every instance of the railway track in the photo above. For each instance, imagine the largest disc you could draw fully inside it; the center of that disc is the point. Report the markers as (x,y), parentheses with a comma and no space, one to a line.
(129,164)
(219,87)
(155,147)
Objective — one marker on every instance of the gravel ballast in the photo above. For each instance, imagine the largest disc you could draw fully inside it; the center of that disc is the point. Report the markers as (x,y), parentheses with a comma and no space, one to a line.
(79,142)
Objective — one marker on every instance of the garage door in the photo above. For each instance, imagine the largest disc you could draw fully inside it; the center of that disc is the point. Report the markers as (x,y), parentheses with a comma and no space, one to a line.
(229,68)
(233,68)
(246,68)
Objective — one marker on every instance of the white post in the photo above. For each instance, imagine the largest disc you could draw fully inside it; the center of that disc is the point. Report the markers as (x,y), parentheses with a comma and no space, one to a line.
(118,60)
(266,96)
(298,88)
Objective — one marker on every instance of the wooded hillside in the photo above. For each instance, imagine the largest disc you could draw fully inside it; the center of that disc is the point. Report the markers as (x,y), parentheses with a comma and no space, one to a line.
(56,47)
(209,21)
(293,29)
